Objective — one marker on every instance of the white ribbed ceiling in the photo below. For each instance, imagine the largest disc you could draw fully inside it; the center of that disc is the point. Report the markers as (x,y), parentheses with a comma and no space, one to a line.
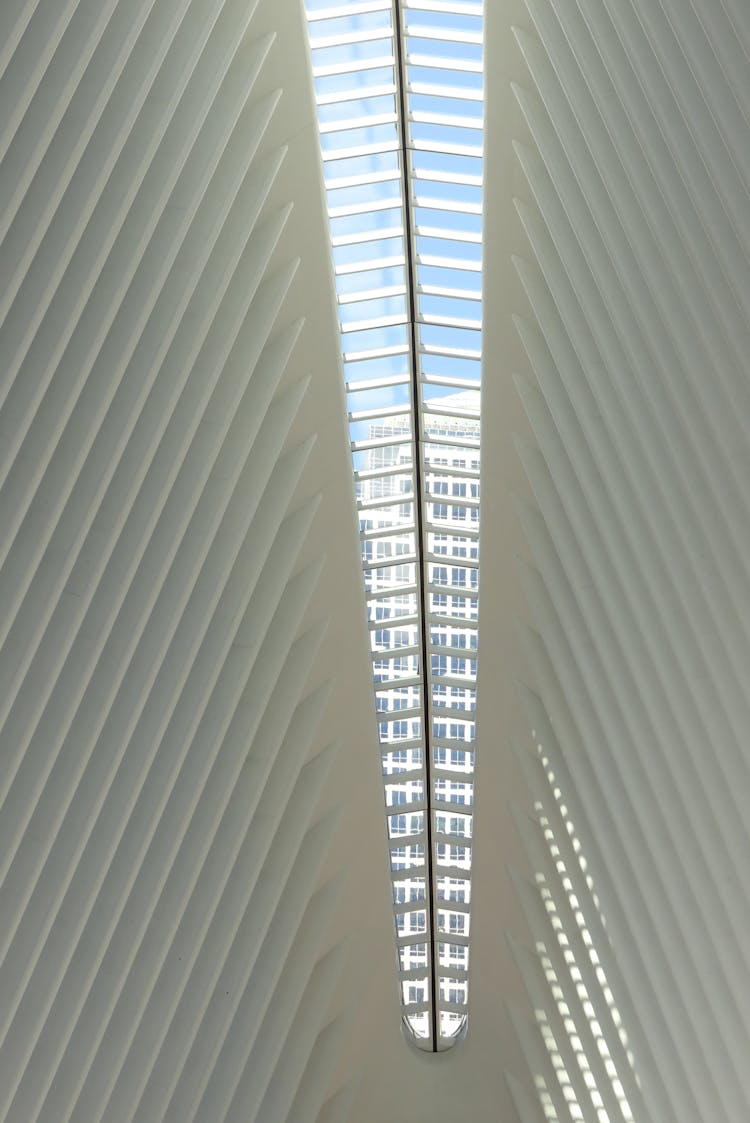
(193,893)
(629,147)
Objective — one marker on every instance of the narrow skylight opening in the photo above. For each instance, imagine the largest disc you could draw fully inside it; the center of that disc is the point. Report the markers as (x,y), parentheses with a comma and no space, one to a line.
(399,92)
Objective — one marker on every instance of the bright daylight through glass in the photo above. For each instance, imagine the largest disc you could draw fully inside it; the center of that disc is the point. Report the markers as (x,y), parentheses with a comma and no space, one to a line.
(399,93)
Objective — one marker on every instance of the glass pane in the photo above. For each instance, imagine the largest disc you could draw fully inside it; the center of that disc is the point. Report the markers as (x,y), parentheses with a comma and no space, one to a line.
(393,395)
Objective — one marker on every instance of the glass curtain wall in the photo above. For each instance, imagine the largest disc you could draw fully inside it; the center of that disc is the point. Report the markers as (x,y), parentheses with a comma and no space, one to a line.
(399,94)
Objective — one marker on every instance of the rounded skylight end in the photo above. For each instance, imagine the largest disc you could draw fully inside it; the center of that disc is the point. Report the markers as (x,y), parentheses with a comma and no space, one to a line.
(417,1030)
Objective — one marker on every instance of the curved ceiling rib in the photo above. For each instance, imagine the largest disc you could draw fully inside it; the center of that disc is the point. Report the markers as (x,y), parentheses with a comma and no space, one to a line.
(399,94)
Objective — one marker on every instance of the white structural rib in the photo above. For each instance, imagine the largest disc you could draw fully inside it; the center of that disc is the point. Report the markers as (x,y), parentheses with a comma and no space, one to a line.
(169,870)
(631,148)
(401,142)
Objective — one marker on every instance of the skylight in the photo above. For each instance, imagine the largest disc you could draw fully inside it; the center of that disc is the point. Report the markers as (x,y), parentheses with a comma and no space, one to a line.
(399,92)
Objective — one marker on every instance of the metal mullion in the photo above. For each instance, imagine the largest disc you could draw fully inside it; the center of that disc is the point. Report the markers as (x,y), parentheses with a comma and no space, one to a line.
(391,530)
(414,805)
(460,443)
(453,500)
(387,717)
(410,744)
(369,323)
(386,532)
(379,412)
(438,262)
(448,235)
(442,838)
(460,746)
(408,872)
(435,409)
(467,716)
(458,652)
(412,1009)
(454,682)
(411,975)
(455,179)
(331,70)
(444,6)
(393,262)
(391,779)
(361,474)
(454,938)
(338,10)
(424,145)
(358,385)
(347,330)
(449,321)
(448,808)
(376,148)
(412,808)
(375,353)
(450,352)
(458,93)
(467,688)
(463,907)
(410,941)
(363,238)
(454,974)
(453,561)
(453,1008)
(386,594)
(453,206)
(350,38)
(371,294)
(387,501)
(392,684)
(404,906)
(389,563)
(452,120)
(466,66)
(420,513)
(423,174)
(446,35)
(451,591)
(452,617)
(390,202)
(388,654)
(455,872)
(393,622)
(362,179)
(446,470)
(371,443)
(450,528)
(450,293)
(398,319)
(356,93)
(451,383)
(441,620)
(445,713)
(462,874)
(452,622)
(348,123)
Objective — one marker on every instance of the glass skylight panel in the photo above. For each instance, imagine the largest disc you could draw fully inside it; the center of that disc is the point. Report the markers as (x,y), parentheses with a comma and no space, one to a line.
(399,91)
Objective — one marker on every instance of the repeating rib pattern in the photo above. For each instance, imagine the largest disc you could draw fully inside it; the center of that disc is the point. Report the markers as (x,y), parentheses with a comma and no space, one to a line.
(164,943)
(637,156)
